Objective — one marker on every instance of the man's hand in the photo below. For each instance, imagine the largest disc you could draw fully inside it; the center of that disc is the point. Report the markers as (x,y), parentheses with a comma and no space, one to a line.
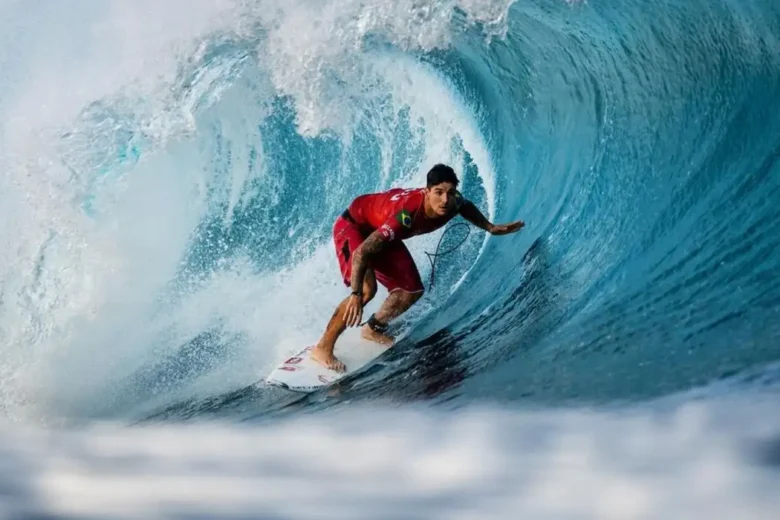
(354,311)
(471,213)
(505,229)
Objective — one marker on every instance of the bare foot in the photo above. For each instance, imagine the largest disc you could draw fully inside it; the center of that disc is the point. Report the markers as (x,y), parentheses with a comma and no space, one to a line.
(368,333)
(327,359)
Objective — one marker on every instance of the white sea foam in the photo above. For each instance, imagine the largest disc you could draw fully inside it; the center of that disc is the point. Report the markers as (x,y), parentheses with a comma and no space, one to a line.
(109,162)
(698,460)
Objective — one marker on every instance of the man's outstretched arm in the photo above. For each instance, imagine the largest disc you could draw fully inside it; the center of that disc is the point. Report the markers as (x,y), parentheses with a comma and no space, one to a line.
(471,213)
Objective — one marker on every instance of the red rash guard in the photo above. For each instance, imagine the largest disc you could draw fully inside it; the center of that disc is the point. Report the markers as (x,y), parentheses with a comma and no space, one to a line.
(397,214)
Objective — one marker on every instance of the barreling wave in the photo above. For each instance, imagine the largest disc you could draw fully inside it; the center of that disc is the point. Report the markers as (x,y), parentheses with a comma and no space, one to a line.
(167,214)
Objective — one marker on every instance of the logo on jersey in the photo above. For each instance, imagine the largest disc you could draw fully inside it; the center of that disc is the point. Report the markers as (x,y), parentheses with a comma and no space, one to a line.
(404,194)
(404,218)
(387,232)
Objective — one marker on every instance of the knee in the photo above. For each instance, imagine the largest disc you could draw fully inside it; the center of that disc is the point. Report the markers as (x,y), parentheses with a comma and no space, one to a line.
(410,298)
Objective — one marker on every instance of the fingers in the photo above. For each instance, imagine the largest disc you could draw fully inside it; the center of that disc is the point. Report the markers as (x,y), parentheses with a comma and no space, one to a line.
(353,314)
(504,229)
(514,226)
(348,315)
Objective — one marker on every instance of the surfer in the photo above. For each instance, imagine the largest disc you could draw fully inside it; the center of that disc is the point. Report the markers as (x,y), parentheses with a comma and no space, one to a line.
(369,244)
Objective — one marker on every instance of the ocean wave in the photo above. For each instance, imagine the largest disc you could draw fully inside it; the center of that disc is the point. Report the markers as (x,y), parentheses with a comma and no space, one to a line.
(168,194)
(677,461)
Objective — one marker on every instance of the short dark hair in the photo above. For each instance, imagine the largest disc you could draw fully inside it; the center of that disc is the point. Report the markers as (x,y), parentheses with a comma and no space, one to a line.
(442,173)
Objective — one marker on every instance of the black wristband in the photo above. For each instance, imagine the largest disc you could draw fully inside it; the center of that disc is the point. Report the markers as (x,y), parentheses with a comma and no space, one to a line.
(358,293)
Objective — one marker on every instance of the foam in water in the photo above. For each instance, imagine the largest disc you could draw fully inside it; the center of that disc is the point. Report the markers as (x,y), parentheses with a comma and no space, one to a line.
(130,136)
(679,462)
(154,156)
(315,51)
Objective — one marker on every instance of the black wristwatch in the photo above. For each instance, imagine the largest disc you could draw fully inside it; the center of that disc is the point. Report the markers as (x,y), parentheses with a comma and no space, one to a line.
(357,293)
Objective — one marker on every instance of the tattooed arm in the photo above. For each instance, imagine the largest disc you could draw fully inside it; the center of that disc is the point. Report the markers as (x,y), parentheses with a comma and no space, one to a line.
(375,242)
(362,258)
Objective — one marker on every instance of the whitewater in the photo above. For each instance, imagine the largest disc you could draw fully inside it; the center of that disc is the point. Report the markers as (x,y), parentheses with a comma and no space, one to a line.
(169,175)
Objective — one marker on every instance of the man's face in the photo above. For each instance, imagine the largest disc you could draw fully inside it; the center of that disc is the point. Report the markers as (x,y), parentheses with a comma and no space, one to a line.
(442,198)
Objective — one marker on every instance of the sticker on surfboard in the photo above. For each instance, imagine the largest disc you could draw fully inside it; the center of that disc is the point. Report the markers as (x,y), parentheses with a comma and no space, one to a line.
(300,373)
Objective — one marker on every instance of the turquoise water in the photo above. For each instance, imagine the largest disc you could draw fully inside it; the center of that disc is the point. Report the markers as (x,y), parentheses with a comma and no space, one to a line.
(643,157)
(171,174)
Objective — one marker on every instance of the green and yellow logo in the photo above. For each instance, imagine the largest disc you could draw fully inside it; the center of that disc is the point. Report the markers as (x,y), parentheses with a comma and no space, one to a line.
(404,218)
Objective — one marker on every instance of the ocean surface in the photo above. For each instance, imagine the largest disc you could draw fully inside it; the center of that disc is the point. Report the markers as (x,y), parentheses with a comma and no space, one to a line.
(169,175)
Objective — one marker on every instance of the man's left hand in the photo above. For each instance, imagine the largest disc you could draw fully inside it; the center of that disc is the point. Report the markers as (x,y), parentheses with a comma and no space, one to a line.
(505,229)
(353,312)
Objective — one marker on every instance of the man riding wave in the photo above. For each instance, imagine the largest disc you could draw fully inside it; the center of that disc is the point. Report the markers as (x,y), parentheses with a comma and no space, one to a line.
(369,244)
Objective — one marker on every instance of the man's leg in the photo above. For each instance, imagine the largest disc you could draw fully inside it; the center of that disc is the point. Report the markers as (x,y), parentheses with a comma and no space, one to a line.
(397,302)
(323,351)
(395,270)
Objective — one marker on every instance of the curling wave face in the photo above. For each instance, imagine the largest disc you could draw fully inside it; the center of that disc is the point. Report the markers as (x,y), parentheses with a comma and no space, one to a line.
(169,173)
(167,215)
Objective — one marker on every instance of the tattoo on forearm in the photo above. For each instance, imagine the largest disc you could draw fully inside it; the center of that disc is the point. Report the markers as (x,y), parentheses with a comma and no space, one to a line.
(370,247)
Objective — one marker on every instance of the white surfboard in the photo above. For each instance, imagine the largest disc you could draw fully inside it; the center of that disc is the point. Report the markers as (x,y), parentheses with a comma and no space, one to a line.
(302,374)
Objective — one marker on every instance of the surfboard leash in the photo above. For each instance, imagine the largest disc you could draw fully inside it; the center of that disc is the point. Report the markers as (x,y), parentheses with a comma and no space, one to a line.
(433,257)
